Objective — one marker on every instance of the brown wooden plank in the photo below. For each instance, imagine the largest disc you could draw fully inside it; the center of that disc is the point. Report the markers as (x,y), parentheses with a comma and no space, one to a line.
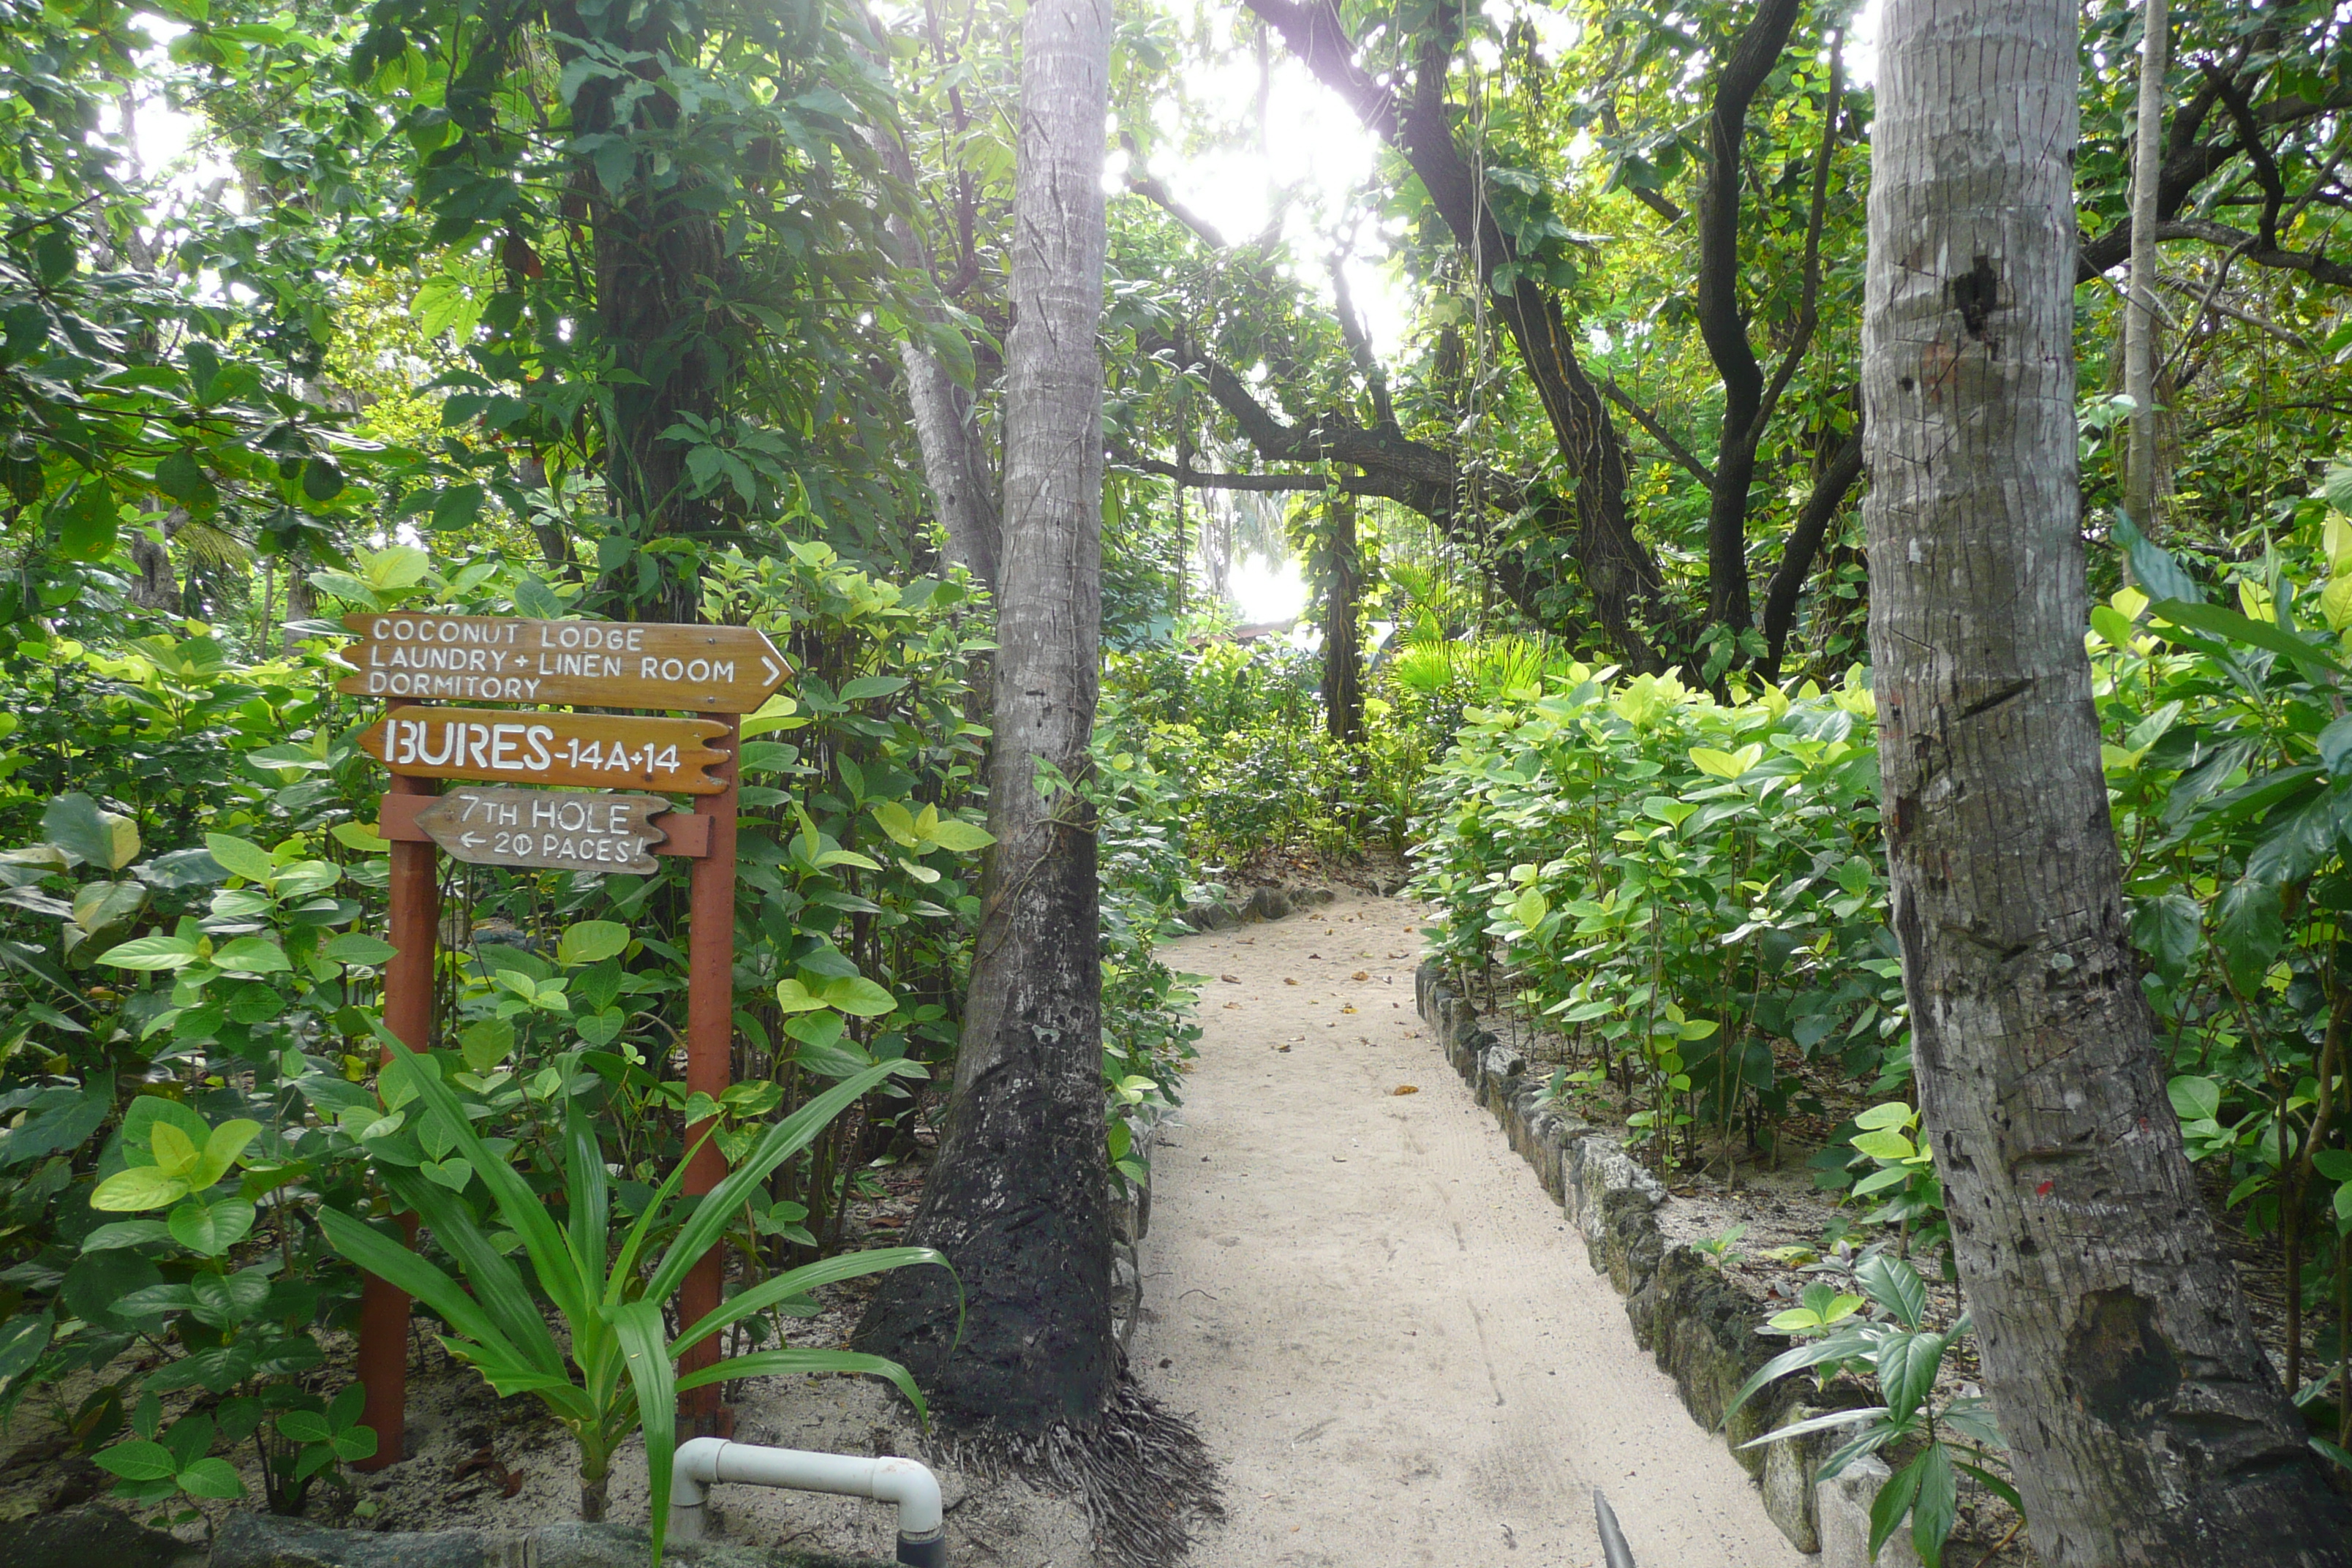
(594,750)
(597,664)
(687,835)
(552,830)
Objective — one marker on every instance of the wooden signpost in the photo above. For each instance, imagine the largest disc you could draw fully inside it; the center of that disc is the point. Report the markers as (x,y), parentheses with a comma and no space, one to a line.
(721,670)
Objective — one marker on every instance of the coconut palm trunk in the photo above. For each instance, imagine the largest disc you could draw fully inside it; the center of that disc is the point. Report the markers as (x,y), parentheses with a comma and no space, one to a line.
(2147,1428)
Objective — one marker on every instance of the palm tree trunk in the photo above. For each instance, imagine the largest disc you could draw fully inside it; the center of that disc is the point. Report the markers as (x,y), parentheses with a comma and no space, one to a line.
(2146,1427)
(1018,1197)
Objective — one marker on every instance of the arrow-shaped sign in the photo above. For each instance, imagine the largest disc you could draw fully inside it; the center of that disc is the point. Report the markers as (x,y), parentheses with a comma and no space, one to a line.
(594,664)
(592,749)
(598,831)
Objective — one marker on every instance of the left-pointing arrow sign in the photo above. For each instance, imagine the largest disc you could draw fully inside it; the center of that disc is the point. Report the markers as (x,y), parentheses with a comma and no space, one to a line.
(597,830)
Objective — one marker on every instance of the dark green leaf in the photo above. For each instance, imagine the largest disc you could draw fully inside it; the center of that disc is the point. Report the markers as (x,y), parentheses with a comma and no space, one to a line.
(1896,1496)
(2250,927)
(1934,1507)
(2160,576)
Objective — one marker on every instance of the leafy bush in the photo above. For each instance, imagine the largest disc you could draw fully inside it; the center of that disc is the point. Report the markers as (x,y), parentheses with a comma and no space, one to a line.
(1693,890)
(1690,889)
(1883,1334)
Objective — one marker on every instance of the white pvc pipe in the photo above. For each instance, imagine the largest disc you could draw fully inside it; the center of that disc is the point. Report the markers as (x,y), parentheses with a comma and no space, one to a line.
(701,1461)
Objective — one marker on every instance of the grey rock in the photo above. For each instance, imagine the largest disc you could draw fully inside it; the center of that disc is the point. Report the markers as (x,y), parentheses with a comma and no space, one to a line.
(1788,1487)
(1267,904)
(265,1541)
(1790,1467)
(91,1534)
(260,1540)
(1702,1331)
(1842,1510)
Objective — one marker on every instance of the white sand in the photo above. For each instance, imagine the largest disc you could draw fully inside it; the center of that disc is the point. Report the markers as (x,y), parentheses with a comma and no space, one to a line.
(1382,1323)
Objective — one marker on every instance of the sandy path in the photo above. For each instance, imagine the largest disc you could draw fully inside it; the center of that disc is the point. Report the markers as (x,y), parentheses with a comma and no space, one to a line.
(1384,1328)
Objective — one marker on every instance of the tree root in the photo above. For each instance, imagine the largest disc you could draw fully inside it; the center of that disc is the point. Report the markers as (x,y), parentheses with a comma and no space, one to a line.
(1141,1470)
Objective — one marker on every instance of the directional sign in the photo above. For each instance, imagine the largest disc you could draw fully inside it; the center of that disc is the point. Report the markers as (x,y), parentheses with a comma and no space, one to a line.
(601,664)
(602,831)
(593,748)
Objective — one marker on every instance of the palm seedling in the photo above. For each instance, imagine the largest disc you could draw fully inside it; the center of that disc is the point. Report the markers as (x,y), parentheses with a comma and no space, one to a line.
(620,1373)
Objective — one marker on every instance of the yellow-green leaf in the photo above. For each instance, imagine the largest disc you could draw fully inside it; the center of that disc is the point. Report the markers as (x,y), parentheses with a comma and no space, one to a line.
(175,1152)
(140,1187)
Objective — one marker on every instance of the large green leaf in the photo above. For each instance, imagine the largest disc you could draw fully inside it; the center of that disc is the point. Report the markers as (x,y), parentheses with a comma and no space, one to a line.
(139,1459)
(784,1139)
(2159,575)
(1935,1505)
(550,1258)
(75,824)
(2250,927)
(1895,1286)
(491,1274)
(138,1187)
(152,952)
(404,1271)
(23,1338)
(801,1280)
(211,1228)
(773,1363)
(1850,1345)
(2215,621)
(211,1478)
(638,1326)
(588,1191)
(590,941)
(1907,1363)
(1896,1496)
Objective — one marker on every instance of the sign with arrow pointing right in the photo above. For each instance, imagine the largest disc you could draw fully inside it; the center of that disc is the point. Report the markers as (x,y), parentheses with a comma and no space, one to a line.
(590,664)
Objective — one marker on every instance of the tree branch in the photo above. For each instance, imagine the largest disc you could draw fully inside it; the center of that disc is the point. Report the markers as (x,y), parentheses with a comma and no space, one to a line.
(2334,274)
(1721,322)
(1151,190)
(1195,479)
(1808,308)
(2266,174)
(1360,347)
(1617,569)
(1658,431)
(1788,585)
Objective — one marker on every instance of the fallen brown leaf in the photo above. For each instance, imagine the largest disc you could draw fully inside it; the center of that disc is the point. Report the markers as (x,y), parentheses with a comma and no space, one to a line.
(1359,975)
(1233,1006)
(1286,980)
(1406,1089)
(1231,979)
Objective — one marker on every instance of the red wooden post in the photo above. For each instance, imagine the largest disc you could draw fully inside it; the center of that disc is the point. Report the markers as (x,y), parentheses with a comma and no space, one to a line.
(415,922)
(709,1051)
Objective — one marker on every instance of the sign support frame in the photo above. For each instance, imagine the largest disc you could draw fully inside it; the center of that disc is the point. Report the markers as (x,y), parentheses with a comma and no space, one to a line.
(707,836)
(709,1054)
(415,922)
